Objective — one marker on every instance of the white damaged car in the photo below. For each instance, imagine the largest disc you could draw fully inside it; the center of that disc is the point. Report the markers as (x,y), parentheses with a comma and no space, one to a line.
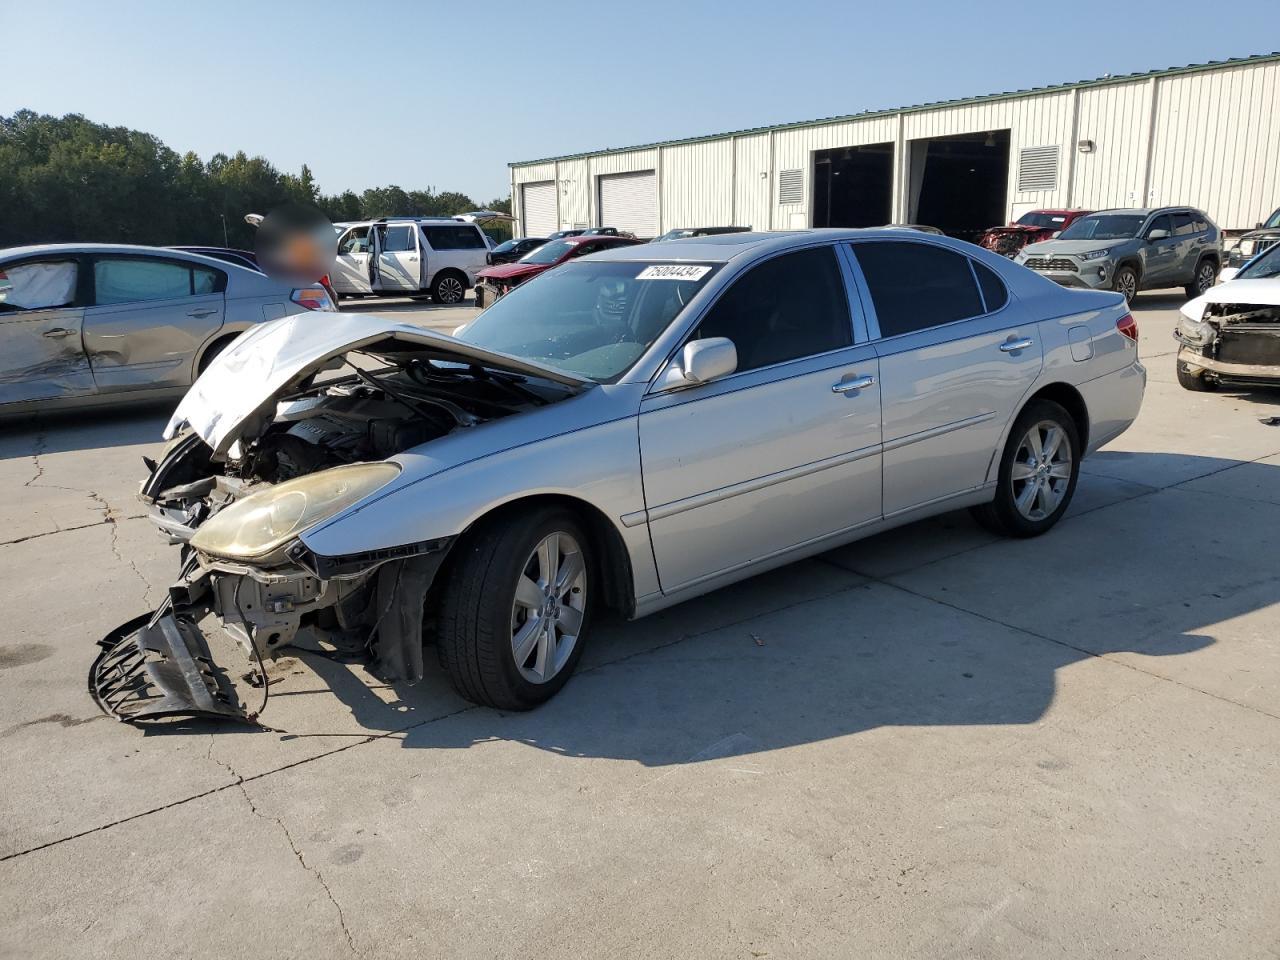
(1230,334)
(627,431)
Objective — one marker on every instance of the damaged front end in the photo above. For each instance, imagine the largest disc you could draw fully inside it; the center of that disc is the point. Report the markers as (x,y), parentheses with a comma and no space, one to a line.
(267,456)
(1235,342)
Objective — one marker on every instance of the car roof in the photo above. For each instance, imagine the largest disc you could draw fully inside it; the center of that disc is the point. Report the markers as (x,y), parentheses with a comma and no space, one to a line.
(172,253)
(724,247)
(1146,211)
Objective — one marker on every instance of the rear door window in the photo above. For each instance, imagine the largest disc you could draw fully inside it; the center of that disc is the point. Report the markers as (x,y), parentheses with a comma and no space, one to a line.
(1184,225)
(916,286)
(786,308)
(454,238)
(137,280)
(994,293)
(398,238)
(42,285)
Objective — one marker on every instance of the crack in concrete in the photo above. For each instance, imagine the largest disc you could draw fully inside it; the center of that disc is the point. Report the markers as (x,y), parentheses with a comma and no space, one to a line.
(42,439)
(82,526)
(302,860)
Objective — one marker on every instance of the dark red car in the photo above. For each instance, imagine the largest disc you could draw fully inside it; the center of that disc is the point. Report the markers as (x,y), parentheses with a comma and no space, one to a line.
(1032,227)
(493,282)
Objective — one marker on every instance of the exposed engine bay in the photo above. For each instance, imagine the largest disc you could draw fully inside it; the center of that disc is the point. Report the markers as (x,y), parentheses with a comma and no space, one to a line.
(1236,342)
(326,438)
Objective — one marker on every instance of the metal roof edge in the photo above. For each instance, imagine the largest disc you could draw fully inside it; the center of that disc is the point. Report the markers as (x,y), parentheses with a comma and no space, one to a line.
(916,108)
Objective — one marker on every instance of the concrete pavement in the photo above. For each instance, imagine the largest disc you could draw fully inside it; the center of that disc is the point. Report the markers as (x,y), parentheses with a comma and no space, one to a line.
(931,743)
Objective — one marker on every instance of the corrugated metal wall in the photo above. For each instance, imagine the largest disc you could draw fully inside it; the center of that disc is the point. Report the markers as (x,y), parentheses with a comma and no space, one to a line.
(1213,141)
(1217,143)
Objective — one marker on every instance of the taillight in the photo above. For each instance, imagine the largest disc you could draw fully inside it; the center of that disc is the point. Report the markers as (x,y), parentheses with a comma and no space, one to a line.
(312,298)
(1128,326)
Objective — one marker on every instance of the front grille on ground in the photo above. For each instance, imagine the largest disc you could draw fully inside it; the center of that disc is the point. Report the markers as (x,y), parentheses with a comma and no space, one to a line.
(1051,263)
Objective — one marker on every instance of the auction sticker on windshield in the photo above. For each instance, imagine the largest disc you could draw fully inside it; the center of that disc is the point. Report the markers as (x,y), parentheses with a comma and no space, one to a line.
(673,271)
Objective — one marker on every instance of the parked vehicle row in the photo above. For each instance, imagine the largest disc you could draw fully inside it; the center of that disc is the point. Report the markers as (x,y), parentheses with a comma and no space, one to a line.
(634,429)
(1032,227)
(498,281)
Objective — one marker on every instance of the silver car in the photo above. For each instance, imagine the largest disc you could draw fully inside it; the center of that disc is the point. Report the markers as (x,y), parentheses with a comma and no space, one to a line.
(627,431)
(84,324)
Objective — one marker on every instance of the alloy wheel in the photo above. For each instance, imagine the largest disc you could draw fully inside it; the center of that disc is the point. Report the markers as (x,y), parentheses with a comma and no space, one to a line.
(1041,470)
(1127,284)
(451,290)
(1204,280)
(549,606)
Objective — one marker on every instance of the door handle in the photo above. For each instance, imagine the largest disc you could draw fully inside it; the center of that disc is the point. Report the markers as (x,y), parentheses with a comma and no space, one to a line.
(1013,346)
(202,313)
(57,332)
(849,386)
(413,259)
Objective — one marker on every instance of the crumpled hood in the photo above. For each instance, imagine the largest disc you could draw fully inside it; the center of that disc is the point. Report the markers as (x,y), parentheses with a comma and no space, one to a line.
(512,271)
(1055,247)
(1262,293)
(243,381)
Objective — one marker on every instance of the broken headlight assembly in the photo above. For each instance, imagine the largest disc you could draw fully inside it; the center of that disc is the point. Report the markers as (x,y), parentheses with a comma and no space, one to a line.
(263,522)
(1195,333)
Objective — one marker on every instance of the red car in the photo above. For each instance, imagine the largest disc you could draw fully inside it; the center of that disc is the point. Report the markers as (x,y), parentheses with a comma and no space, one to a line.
(1032,227)
(493,282)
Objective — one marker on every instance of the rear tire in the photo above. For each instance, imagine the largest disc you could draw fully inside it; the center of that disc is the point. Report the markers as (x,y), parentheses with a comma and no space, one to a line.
(1195,382)
(1038,473)
(1205,275)
(448,288)
(497,599)
(1125,282)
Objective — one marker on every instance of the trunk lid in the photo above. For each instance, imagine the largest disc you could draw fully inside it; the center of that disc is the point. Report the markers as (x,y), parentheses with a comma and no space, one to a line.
(242,382)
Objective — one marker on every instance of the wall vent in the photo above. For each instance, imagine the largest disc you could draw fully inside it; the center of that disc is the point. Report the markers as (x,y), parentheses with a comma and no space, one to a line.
(791,186)
(1037,168)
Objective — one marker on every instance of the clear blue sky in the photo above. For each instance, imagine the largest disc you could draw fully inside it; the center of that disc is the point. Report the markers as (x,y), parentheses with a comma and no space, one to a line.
(445,94)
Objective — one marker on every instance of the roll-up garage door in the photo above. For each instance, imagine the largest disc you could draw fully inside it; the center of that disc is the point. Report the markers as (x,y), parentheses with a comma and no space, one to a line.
(629,201)
(538,203)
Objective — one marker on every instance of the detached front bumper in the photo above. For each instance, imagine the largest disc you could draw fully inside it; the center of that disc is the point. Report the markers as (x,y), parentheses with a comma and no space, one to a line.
(159,666)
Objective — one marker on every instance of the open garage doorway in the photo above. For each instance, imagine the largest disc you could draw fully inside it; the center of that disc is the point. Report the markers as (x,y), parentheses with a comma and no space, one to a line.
(960,184)
(853,186)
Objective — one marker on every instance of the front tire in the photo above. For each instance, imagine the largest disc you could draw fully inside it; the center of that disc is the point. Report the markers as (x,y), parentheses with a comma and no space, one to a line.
(448,288)
(1038,473)
(1125,282)
(517,609)
(1195,382)
(1206,274)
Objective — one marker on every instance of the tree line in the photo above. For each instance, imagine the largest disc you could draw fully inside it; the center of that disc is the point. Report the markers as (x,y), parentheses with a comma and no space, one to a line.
(70,179)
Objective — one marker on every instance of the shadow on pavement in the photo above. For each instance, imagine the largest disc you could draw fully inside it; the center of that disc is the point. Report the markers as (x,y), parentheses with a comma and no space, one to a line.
(905,650)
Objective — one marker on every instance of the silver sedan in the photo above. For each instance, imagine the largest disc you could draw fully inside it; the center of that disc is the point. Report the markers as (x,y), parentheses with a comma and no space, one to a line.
(84,324)
(627,431)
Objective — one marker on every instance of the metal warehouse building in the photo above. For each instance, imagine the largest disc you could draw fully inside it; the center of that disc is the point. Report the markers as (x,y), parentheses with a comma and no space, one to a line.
(1206,135)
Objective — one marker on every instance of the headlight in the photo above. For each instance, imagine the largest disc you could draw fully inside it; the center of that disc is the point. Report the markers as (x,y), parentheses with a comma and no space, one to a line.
(263,521)
(1095,254)
(1194,332)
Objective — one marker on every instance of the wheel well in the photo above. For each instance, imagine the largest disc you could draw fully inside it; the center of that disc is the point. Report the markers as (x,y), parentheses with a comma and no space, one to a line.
(614,561)
(450,272)
(1068,397)
(1133,262)
(212,347)
(1212,257)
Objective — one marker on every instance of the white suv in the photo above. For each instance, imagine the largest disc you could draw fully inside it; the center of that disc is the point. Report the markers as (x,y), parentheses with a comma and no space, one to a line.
(410,255)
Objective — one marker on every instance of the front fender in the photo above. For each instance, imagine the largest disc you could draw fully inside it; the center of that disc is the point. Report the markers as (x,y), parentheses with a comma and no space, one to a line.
(598,465)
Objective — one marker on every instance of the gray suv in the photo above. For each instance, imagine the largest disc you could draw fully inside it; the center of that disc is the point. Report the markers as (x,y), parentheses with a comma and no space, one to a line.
(1130,250)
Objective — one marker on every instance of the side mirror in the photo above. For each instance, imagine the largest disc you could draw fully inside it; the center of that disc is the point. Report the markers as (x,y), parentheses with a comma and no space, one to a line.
(702,361)
(1055,235)
(1155,235)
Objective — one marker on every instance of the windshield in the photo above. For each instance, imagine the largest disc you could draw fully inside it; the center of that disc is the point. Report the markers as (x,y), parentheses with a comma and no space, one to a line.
(676,234)
(548,253)
(592,319)
(1110,226)
(505,247)
(1264,267)
(1038,218)
(1274,219)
